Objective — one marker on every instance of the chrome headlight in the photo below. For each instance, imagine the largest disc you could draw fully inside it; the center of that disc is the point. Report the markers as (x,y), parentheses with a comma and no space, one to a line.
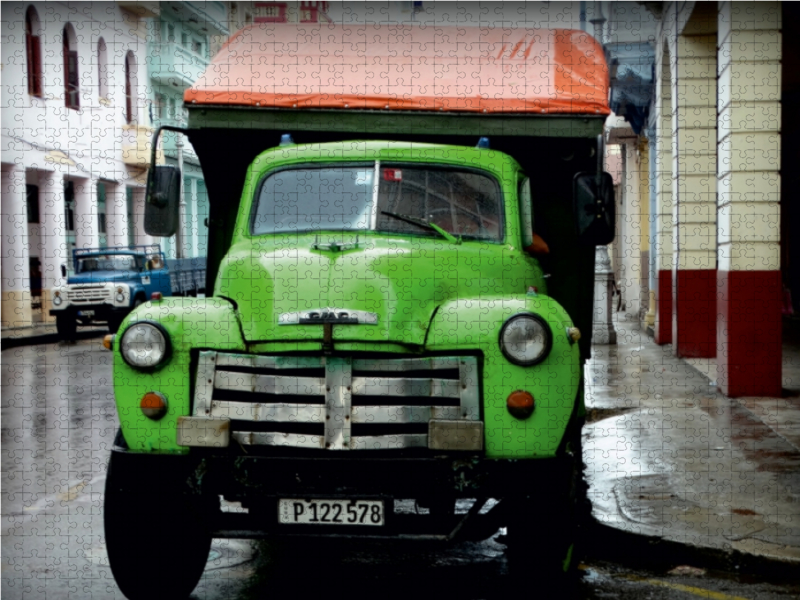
(57,300)
(145,345)
(526,339)
(121,294)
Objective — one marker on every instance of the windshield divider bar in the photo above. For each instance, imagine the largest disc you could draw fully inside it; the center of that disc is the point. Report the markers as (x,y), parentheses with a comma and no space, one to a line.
(375,187)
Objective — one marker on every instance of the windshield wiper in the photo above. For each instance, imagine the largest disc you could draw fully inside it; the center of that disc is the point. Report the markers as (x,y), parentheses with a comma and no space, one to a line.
(426,224)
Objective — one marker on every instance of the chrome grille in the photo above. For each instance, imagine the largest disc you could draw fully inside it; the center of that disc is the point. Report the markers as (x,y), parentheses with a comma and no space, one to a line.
(336,403)
(90,293)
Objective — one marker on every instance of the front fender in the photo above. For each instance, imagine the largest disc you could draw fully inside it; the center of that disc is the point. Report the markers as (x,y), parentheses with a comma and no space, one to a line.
(191,323)
(474,324)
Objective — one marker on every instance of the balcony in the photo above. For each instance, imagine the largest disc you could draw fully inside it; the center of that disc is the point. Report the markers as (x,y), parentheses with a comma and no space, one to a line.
(207,17)
(137,144)
(142,9)
(172,64)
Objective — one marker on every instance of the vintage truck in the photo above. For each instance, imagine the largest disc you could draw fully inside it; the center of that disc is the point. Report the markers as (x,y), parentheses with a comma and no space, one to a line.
(378,330)
(108,283)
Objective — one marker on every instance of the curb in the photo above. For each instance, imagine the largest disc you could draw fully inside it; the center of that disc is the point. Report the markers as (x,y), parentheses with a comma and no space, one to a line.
(613,545)
(46,338)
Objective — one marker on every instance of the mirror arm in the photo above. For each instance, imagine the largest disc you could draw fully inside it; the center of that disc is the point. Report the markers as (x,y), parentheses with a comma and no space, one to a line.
(153,152)
(601,150)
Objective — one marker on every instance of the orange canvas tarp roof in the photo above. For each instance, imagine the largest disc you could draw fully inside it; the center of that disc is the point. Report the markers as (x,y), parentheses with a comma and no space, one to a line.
(394,67)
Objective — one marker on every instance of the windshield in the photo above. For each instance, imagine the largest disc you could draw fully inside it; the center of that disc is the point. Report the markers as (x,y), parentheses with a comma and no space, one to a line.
(108,262)
(460,202)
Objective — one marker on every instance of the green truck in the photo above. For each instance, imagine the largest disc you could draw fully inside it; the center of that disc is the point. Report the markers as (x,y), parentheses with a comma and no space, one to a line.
(380,325)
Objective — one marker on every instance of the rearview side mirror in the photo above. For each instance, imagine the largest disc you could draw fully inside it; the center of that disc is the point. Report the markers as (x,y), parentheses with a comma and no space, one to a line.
(162,198)
(594,208)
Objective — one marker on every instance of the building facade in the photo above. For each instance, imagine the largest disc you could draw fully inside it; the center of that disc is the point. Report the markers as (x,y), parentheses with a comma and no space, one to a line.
(704,249)
(182,40)
(84,87)
(75,131)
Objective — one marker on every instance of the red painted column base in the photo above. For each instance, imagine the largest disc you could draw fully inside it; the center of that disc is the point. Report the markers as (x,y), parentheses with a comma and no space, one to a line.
(749,348)
(694,314)
(663,325)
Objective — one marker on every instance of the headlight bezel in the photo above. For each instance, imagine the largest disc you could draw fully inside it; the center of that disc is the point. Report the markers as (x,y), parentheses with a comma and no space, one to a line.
(548,341)
(130,330)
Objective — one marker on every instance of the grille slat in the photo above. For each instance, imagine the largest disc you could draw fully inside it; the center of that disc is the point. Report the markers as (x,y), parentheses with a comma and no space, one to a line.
(269,384)
(394,397)
(293,440)
(403,414)
(401,386)
(92,293)
(286,413)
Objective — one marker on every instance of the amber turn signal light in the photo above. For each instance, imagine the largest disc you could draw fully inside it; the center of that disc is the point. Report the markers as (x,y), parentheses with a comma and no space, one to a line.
(520,404)
(153,405)
(108,341)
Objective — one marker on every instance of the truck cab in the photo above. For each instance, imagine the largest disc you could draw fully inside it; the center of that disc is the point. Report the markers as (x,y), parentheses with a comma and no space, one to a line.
(106,284)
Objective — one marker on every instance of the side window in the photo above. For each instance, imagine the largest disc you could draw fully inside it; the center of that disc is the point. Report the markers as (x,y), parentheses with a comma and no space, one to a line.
(526,212)
(71,79)
(33,51)
(102,69)
(131,84)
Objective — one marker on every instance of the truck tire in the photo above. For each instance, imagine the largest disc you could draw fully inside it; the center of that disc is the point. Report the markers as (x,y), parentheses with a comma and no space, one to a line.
(114,321)
(137,510)
(543,541)
(66,326)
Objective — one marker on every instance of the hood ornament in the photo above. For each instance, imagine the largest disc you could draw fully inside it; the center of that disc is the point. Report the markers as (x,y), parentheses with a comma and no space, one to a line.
(328,316)
(334,246)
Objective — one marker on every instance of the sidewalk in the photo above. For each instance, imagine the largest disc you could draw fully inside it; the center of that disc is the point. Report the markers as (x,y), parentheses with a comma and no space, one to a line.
(43,333)
(671,458)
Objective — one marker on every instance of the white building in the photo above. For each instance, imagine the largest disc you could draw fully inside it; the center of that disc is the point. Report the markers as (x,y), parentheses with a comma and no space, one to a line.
(75,138)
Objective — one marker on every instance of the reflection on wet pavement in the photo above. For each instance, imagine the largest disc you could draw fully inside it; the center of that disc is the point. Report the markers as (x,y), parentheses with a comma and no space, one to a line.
(668,456)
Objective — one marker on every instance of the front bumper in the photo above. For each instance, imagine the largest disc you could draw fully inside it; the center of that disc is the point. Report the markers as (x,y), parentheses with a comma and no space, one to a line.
(102,312)
(258,482)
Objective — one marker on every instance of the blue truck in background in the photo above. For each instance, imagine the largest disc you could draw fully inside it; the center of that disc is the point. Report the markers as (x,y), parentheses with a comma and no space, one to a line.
(108,283)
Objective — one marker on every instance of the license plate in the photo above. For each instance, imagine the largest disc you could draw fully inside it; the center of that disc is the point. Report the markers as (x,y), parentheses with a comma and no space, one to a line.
(330,512)
(85,313)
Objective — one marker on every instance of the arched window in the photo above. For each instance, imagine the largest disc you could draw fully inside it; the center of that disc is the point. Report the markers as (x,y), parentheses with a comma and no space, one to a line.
(33,51)
(102,69)
(71,81)
(130,88)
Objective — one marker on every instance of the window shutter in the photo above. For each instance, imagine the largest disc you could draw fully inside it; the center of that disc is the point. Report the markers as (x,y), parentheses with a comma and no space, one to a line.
(128,107)
(35,77)
(72,88)
(33,52)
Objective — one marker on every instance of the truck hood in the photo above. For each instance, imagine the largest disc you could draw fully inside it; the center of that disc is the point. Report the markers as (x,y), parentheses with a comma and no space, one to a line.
(104,277)
(388,289)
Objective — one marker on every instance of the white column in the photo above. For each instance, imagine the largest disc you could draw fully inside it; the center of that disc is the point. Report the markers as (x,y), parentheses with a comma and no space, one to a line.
(630,235)
(139,235)
(86,230)
(749,285)
(749,136)
(16,298)
(694,92)
(195,222)
(53,235)
(664,229)
(116,216)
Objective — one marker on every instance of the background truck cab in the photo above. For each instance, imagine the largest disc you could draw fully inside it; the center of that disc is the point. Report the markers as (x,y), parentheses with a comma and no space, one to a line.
(106,284)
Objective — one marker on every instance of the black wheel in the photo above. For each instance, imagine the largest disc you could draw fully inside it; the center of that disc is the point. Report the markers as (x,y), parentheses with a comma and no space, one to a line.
(543,541)
(66,325)
(140,507)
(114,321)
